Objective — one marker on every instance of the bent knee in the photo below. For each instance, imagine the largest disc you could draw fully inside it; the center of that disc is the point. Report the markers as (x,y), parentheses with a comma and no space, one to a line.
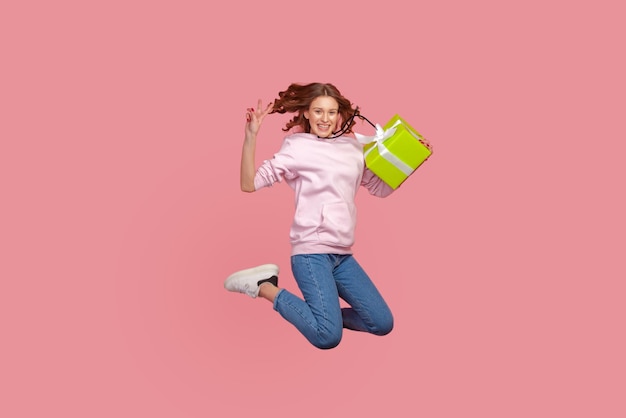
(327,341)
(384,326)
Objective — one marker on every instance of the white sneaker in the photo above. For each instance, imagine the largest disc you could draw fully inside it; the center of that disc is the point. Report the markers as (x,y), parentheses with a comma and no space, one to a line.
(248,281)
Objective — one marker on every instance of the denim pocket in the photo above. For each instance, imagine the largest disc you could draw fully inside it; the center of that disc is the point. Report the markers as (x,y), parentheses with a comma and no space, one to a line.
(338,222)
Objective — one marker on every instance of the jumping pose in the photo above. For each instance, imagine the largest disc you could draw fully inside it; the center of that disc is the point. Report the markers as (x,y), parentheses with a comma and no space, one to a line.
(325,170)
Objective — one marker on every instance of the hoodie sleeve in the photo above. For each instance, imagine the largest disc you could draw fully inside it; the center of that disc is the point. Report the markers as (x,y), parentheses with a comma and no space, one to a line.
(374,184)
(281,166)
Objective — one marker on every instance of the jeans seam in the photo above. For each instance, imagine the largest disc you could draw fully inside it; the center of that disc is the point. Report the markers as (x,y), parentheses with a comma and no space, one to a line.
(319,292)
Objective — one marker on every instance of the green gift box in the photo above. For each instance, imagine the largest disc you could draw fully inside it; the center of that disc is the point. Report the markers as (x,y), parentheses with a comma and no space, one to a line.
(396,152)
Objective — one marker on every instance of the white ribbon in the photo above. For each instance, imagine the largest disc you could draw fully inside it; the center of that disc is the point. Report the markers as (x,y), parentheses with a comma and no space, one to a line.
(380,137)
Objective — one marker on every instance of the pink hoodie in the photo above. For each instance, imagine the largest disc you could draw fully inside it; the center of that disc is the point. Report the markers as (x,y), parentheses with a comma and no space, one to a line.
(325,175)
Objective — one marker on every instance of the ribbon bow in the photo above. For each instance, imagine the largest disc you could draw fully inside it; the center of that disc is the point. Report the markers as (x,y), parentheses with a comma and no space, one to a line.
(380,136)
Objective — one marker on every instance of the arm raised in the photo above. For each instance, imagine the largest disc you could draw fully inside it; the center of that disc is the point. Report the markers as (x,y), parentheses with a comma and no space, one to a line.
(254,118)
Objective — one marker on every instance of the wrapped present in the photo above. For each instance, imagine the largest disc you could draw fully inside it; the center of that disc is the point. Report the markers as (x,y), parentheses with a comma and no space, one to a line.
(395,152)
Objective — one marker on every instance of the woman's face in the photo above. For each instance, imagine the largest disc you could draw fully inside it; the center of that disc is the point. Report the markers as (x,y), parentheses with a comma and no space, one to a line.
(323,114)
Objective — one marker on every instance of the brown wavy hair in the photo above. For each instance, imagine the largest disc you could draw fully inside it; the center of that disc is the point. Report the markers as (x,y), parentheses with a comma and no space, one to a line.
(298,97)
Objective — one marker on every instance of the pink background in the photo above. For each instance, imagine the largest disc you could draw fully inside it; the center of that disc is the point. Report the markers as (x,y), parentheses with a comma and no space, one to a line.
(503,258)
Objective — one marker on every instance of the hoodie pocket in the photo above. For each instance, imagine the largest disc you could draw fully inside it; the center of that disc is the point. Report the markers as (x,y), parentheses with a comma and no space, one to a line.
(338,223)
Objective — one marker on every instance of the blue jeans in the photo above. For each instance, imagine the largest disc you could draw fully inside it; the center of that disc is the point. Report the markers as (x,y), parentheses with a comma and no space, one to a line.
(323,279)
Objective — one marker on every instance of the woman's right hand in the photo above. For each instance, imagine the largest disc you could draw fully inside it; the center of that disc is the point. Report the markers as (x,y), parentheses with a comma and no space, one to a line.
(254,118)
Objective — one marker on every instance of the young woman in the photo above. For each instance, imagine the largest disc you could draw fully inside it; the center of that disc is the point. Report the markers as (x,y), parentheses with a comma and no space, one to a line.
(325,170)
